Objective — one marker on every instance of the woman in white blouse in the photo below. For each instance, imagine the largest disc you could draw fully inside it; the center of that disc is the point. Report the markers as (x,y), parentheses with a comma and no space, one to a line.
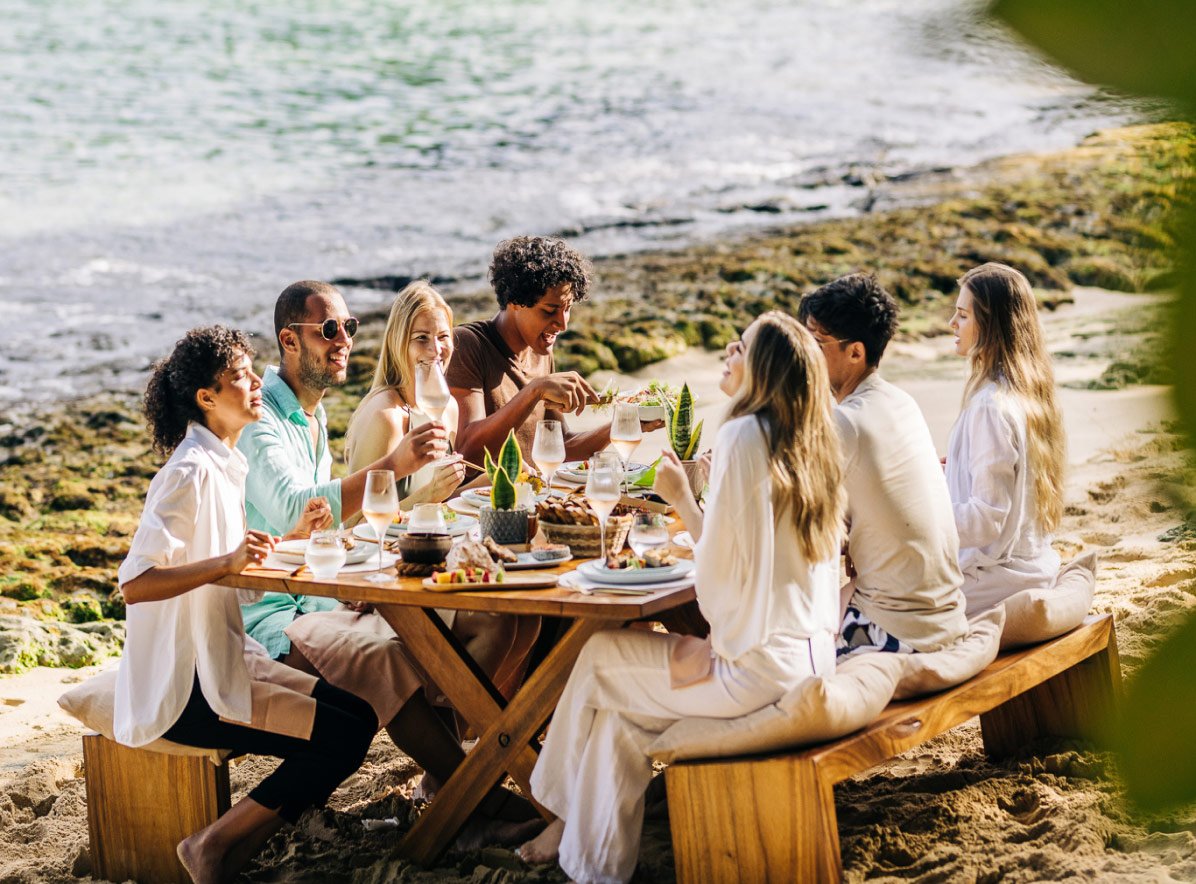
(188,672)
(767,582)
(1006,455)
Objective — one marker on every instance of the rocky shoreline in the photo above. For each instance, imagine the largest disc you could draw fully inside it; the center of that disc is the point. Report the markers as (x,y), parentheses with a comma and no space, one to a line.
(74,474)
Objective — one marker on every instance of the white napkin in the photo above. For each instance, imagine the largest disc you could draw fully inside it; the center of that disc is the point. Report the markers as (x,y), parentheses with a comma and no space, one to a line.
(578,583)
(683,539)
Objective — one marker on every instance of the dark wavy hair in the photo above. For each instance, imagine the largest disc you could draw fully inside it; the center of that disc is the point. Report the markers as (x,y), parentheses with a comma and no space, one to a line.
(525,267)
(854,308)
(196,362)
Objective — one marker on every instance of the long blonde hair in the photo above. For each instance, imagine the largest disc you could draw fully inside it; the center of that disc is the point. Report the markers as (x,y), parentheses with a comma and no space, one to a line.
(785,386)
(1011,352)
(393,371)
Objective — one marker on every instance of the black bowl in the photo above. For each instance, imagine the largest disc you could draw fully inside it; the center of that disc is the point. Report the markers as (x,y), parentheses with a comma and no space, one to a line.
(424,549)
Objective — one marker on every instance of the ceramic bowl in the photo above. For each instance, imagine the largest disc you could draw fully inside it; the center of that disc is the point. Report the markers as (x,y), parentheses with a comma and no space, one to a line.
(424,549)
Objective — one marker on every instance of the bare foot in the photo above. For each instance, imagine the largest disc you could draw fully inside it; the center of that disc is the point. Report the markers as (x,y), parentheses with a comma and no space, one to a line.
(201,865)
(545,846)
(481,832)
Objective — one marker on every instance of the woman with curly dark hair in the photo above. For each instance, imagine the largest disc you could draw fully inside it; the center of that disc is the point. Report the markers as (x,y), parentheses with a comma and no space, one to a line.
(503,375)
(188,673)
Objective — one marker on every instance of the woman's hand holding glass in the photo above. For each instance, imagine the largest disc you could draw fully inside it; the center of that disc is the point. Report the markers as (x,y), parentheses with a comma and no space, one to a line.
(419,447)
(432,396)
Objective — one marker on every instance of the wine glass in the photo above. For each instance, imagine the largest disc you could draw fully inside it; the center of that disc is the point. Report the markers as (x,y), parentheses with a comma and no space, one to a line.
(548,450)
(432,397)
(602,491)
(648,531)
(625,432)
(379,506)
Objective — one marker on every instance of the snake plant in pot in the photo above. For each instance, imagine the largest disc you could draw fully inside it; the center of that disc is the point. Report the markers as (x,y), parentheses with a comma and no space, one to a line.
(684,437)
(502,519)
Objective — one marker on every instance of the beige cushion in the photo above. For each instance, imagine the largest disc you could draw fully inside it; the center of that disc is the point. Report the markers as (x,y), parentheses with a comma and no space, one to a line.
(1035,615)
(926,673)
(93,703)
(817,710)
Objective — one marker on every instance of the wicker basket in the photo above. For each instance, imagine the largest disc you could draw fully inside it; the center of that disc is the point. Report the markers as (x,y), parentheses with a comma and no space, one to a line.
(584,540)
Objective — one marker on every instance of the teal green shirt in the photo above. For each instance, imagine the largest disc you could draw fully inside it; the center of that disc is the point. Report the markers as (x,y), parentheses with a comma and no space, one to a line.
(284,474)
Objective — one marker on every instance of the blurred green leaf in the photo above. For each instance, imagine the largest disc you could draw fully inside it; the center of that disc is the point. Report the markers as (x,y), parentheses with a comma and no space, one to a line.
(1158,725)
(1144,47)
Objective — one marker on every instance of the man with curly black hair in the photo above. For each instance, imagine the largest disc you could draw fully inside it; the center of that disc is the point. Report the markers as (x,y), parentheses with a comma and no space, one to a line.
(503,374)
(905,595)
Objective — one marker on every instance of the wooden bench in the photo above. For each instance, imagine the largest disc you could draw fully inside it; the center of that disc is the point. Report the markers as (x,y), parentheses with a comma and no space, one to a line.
(771,817)
(141,804)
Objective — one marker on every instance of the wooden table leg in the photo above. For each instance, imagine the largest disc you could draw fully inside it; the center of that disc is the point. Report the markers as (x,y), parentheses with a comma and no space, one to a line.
(505,741)
(456,673)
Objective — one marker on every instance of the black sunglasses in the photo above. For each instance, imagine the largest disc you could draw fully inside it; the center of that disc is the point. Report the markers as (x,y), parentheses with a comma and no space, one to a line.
(328,328)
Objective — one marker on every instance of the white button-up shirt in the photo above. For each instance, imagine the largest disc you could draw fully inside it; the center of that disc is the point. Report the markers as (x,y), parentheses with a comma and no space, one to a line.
(194,511)
(1001,550)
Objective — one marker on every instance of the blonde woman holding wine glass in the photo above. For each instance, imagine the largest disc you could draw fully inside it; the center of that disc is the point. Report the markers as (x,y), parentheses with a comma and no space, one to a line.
(416,346)
(406,392)
(767,580)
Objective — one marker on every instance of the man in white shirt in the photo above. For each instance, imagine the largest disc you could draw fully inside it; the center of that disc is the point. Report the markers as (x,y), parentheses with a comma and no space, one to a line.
(905,593)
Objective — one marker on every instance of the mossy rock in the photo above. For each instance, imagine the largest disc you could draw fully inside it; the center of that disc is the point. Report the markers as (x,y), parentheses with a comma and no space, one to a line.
(634,350)
(717,333)
(15,505)
(96,555)
(25,590)
(70,498)
(83,607)
(1102,273)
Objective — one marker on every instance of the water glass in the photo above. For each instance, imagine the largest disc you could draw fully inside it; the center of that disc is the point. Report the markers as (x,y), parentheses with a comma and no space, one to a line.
(325,554)
(648,531)
(427,518)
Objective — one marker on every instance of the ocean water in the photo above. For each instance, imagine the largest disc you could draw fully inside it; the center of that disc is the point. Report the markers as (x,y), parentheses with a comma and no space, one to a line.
(165,164)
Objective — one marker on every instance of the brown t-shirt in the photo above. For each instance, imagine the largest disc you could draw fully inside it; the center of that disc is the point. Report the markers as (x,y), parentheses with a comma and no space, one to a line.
(483,363)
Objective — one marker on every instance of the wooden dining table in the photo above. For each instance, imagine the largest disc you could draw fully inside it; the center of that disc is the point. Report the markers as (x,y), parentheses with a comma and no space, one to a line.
(507,731)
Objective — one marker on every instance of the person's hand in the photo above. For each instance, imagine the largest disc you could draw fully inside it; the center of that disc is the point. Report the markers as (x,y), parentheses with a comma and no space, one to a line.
(317,515)
(651,426)
(419,447)
(671,482)
(445,480)
(704,463)
(252,551)
(359,607)
(566,391)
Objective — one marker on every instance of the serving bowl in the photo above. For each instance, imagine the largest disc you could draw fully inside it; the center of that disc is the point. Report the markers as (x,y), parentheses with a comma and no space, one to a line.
(424,549)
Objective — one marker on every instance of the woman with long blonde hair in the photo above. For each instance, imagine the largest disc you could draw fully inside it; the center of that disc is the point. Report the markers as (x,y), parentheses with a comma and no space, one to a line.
(1007,453)
(767,559)
(419,329)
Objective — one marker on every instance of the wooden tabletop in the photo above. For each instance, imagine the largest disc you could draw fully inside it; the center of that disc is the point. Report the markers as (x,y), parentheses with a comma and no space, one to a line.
(410,591)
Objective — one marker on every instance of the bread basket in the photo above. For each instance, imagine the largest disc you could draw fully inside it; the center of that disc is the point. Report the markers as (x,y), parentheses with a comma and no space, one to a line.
(585,540)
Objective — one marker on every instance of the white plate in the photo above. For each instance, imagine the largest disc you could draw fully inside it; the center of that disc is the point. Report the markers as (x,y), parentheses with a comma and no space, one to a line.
(462,506)
(569,471)
(595,570)
(479,496)
(293,551)
(457,527)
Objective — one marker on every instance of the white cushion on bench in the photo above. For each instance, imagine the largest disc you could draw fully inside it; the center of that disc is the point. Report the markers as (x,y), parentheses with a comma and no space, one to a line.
(818,709)
(1036,615)
(93,703)
(927,673)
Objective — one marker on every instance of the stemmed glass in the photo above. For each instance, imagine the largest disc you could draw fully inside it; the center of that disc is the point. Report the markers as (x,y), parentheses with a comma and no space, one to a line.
(602,491)
(625,433)
(432,397)
(548,450)
(379,506)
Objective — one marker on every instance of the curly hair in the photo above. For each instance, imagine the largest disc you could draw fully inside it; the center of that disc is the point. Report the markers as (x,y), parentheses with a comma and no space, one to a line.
(854,308)
(525,267)
(196,362)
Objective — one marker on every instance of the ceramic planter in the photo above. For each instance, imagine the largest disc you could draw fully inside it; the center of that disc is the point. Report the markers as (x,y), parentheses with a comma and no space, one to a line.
(504,526)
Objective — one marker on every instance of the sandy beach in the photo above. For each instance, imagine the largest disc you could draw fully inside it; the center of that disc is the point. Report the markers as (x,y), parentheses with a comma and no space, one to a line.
(940,813)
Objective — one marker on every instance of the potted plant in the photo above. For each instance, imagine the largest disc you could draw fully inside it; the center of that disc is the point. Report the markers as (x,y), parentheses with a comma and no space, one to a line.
(684,437)
(502,519)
